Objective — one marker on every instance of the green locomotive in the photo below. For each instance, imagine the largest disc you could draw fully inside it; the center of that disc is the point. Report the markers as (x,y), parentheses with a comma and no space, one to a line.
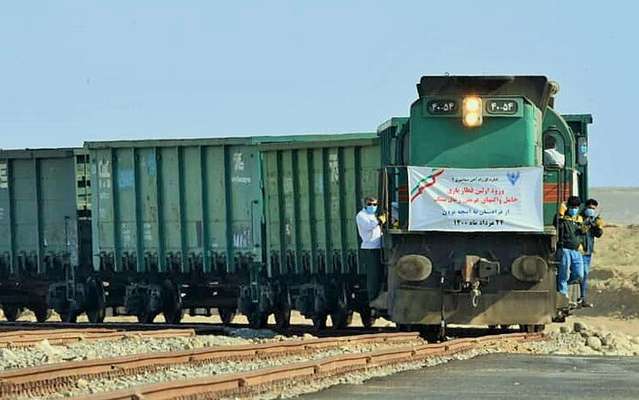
(476,262)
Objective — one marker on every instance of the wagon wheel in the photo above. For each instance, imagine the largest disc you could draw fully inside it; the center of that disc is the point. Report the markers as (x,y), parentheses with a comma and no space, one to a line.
(146,317)
(532,328)
(96,316)
(226,315)
(505,327)
(319,321)
(42,312)
(96,301)
(257,319)
(367,319)
(341,319)
(172,303)
(173,316)
(283,312)
(69,316)
(342,316)
(12,312)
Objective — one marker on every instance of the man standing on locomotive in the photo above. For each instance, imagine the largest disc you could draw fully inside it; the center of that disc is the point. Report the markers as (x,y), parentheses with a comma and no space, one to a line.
(569,245)
(592,228)
(370,231)
(551,155)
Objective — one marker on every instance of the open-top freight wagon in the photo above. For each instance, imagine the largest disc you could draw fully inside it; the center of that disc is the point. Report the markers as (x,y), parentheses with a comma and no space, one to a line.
(45,229)
(263,225)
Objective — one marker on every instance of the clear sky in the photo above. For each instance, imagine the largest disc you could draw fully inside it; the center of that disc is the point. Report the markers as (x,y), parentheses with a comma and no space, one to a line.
(98,70)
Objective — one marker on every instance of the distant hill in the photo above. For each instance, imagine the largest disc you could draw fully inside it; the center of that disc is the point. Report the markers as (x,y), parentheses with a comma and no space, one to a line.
(619,205)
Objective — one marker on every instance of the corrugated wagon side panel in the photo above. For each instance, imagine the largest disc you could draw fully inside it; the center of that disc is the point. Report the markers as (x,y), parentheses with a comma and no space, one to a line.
(351,196)
(58,225)
(274,226)
(104,232)
(332,203)
(304,202)
(126,207)
(26,231)
(149,207)
(313,192)
(193,232)
(6,225)
(38,218)
(319,206)
(244,193)
(289,201)
(215,178)
(170,206)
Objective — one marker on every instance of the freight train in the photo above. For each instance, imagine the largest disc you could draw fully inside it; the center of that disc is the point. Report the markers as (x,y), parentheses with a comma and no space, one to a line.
(266,225)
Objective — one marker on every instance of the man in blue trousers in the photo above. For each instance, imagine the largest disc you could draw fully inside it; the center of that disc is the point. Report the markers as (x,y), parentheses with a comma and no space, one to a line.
(592,228)
(569,245)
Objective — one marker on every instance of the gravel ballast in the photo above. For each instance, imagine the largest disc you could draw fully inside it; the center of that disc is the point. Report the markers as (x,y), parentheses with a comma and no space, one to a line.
(578,339)
(191,371)
(45,353)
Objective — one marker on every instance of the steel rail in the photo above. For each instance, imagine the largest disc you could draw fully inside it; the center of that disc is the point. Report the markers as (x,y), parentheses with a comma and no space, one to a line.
(64,336)
(250,383)
(54,377)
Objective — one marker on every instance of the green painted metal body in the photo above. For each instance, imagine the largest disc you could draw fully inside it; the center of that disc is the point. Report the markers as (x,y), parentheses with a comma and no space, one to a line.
(313,189)
(39,202)
(444,142)
(501,141)
(571,135)
(172,206)
(578,124)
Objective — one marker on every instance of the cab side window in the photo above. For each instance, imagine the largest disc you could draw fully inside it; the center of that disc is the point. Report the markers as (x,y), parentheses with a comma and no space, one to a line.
(553,152)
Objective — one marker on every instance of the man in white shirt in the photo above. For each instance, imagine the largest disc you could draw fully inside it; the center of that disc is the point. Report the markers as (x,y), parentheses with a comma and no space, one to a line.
(369,226)
(370,231)
(552,157)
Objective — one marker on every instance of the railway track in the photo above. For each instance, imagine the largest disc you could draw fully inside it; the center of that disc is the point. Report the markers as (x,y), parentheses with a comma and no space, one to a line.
(202,328)
(25,338)
(199,328)
(47,379)
(322,358)
(211,328)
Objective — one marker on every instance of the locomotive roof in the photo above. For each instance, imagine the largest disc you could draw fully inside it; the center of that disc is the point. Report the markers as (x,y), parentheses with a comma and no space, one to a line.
(535,88)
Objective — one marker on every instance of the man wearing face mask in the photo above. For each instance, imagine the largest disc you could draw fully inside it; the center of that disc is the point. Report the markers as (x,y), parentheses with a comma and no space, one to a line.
(569,245)
(370,231)
(592,228)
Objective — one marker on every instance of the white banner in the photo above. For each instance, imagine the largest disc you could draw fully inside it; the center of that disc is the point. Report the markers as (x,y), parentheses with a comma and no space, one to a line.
(476,200)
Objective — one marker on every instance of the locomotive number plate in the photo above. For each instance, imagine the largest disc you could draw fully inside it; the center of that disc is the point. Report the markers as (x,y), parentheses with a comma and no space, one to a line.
(442,106)
(501,107)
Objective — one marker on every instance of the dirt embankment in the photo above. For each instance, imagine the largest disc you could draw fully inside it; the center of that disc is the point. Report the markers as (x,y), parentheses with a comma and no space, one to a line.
(614,282)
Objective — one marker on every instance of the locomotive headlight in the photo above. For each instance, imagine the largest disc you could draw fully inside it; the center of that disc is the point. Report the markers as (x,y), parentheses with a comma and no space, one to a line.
(471,111)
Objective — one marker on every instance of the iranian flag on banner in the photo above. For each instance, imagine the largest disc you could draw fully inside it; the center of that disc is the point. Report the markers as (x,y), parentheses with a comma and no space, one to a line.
(476,200)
